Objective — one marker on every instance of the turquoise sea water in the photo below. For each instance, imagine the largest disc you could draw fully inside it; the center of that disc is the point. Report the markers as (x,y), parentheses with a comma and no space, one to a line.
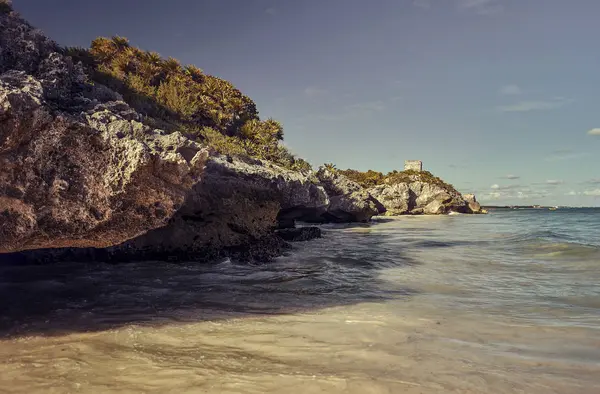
(502,303)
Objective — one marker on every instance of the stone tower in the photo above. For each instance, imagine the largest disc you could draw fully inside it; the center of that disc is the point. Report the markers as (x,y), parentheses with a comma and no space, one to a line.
(414,165)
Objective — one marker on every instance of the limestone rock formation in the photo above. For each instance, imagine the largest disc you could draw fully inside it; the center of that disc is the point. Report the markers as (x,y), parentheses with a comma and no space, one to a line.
(81,175)
(397,198)
(349,202)
(235,207)
(76,171)
(419,197)
(232,211)
(474,206)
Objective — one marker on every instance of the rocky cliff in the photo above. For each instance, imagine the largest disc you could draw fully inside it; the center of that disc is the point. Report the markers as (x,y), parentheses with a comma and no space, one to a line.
(82,177)
(85,176)
(419,193)
(76,167)
(232,211)
(349,201)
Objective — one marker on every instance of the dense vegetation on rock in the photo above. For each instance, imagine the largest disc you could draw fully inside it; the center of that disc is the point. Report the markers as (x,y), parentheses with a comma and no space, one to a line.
(372,178)
(5,6)
(175,97)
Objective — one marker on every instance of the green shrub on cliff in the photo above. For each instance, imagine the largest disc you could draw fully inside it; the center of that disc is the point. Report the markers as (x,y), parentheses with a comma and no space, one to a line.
(365,179)
(5,6)
(171,96)
(372,178)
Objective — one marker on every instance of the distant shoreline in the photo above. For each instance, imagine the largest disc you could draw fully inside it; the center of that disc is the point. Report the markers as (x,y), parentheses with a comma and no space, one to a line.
(533,207)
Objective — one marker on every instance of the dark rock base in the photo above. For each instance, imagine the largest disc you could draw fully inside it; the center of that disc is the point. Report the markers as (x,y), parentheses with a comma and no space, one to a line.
(262,250)
(299,234)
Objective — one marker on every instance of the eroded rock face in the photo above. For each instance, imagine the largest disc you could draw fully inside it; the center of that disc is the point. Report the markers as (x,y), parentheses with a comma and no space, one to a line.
(397,198)
(300,234)
(235,207)
(232,211)
(94,179)
(419,198)
(349,202)
(75,170)
(474,206)
(81,178)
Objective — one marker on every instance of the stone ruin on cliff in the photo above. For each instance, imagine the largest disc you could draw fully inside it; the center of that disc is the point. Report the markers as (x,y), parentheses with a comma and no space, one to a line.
(413,165)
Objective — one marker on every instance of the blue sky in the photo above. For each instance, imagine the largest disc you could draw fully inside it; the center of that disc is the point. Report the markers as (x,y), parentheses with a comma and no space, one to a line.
(498,97)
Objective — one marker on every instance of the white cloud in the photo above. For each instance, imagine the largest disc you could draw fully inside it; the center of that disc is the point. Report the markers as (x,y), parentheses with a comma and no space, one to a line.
(511,192)
(512,177)
(369,106)
(541,105)
(507,195)
(572,193)
(511,90)
(314,91)
(490,196)
(595,131)
(505,187)
(593,193)
(595,181)
(554,182)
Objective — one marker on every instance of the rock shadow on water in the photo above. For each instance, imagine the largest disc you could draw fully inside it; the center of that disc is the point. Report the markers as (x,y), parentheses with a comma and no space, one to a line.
(76,297)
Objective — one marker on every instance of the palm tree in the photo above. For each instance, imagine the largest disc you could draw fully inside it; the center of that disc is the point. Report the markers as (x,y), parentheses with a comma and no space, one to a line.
(153,57)
(120,42)
(171,66)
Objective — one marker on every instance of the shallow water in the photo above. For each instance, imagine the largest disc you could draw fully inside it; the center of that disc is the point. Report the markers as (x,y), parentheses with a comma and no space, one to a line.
(503,303)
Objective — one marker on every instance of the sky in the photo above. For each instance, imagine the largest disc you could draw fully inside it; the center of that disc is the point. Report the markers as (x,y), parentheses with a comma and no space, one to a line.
(497,97)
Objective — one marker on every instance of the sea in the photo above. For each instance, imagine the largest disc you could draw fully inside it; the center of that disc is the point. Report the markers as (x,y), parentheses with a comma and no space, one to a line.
(507,302)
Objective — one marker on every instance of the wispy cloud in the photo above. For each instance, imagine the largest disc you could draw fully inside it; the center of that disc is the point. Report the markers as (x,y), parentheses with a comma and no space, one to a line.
(366,108)
(505,187)
(425,4)
(511,177)
(562,151)
(271,11)
(510,90)
(565,154)
(554,182)
(489,196)
(513,194)
(369,106)
(572,193)
(592,193)
(482,7)
(595,131)
(315,91)
(540,105)
(595,181)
